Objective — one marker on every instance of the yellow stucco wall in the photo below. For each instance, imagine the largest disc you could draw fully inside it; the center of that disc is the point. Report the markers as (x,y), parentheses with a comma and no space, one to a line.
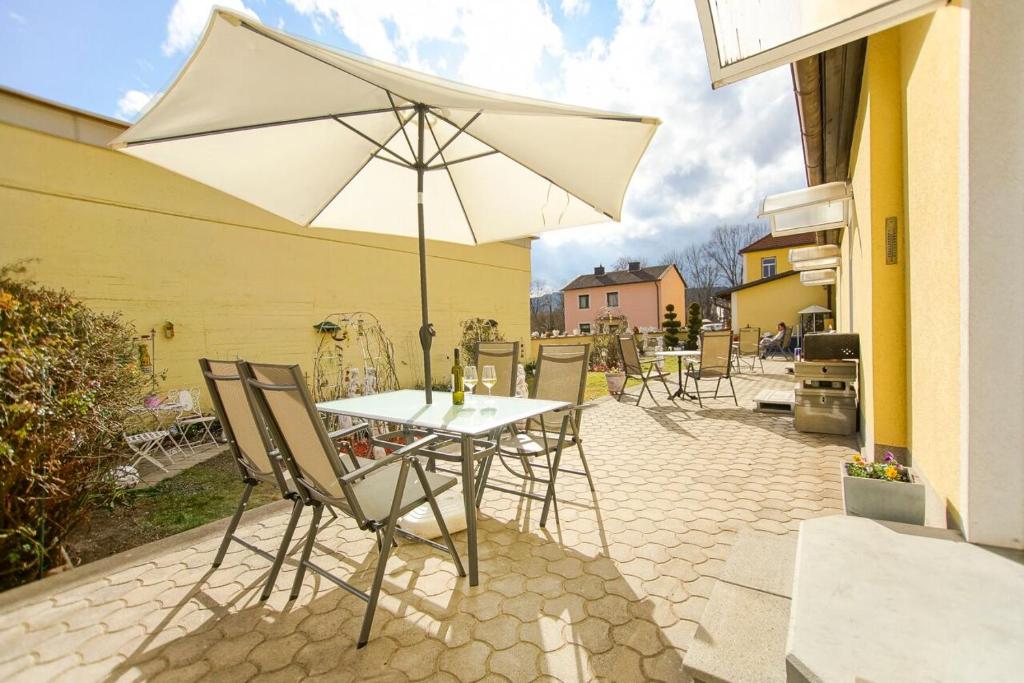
(768,304)
(235,281)
(752,263)
(930,80)
(905,163)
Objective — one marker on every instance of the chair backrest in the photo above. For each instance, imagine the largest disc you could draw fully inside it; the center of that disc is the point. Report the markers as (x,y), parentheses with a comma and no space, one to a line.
(281,395)
(185,400)
(504,356)
(787,337)
(750,340)
(561,375)
(239,420)
(629,354)
(716,353)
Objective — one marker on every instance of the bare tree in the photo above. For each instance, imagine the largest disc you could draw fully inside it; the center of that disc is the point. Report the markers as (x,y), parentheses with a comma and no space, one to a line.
(623,262)
(723,248)
(547,310)
(700,272)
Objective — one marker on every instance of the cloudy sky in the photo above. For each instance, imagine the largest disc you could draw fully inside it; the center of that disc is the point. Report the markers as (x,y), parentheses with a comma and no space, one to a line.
(711,161)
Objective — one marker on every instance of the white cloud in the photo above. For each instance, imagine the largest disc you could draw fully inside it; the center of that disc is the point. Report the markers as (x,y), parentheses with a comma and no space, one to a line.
(17,18)
(133,102)
(575,8)
(188,19)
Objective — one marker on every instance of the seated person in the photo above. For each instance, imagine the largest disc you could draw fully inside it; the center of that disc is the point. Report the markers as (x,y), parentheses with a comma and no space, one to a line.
(767,341)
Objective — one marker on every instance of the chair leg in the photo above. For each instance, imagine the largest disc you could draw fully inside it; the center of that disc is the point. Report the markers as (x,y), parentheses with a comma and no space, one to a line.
(643,385)
(731,386)
(440,520)
(318,511)
(717,385)
(696,389)
(282,550)
(382,560)
(242,503)
(549,495)
(583,457)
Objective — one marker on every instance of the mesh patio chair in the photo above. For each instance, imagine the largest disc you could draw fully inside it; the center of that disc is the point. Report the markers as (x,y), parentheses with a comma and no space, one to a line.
(375,495)
(144,446)
(561,375)
(780,347)
(715,364)
(257,463)
(192,416)
(749,351)
(633,366)
(504,356)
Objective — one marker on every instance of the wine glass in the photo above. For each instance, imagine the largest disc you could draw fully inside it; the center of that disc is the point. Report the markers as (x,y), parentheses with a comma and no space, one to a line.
(489,378)
(469,377)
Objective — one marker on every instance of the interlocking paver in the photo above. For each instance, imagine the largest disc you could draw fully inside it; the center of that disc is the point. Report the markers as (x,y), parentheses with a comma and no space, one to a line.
(615,592)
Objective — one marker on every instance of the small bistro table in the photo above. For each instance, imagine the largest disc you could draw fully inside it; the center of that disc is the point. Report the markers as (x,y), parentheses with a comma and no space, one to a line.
(481,415)
(681,355)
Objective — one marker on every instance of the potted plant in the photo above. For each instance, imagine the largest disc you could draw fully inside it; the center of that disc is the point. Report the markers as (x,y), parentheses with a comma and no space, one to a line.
(615,377)
(883,490)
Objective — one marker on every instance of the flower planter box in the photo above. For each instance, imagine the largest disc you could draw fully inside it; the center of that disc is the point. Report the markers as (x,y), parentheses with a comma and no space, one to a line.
(891,501)
(616,382)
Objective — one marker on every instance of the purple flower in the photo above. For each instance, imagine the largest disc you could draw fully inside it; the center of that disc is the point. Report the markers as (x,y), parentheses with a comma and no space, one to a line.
(889,457)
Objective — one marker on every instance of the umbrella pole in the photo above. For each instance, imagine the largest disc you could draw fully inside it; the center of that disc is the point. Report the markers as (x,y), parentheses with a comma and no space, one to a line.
(426,329)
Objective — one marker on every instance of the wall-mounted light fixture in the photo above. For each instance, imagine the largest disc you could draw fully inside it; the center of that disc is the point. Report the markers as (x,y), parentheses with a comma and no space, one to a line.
(168,329)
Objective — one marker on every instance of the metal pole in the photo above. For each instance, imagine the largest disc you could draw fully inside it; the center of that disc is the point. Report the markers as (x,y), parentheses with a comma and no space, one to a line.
(426,329)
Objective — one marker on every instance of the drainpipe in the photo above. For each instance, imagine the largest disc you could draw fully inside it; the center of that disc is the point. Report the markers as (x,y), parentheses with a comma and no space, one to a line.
(807,90)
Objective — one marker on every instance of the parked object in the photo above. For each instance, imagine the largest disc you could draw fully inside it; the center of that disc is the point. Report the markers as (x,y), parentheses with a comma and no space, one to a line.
(884,491)
(144,446)
(323,478)
(715,364)
(635,368)
(381,148)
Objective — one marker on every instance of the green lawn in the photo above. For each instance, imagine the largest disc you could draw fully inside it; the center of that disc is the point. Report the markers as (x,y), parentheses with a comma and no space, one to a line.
(206,492)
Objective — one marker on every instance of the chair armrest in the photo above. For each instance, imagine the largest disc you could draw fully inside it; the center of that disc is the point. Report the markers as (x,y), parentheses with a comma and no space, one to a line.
(341,433)
(578,406)
(395,456)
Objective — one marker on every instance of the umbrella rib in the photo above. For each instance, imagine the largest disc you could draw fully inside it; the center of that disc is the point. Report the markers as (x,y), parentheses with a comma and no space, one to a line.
(446,164)
(404,133)
(257,126)
(380,147)
(365,163)
(452,139)
(527,167)
(455,188)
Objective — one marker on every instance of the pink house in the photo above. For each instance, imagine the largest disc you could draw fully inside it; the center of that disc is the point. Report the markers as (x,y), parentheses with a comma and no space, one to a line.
(638,294)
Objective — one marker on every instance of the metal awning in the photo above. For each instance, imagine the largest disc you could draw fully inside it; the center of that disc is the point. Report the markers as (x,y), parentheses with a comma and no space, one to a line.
(818,278)
(814,258)
(820,207)
(743,37)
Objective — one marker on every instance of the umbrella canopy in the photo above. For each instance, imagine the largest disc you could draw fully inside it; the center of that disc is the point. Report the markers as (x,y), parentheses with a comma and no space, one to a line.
(329,139)
(814,309)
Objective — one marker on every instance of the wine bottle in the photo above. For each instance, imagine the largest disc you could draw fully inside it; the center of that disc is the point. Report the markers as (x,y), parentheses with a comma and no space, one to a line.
(458,393)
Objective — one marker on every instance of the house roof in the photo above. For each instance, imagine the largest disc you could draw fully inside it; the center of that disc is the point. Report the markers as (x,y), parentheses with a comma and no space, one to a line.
(755,283)
(618,277)
(769,241)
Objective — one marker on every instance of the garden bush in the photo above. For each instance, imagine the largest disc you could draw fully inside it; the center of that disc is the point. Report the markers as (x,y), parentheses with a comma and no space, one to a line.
(477,330)
(67,378)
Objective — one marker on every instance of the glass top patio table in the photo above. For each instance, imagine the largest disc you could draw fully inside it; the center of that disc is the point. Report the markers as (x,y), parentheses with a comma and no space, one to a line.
(480,414)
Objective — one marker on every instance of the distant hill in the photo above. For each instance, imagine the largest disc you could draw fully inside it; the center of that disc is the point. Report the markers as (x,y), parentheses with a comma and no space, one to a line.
(547,312)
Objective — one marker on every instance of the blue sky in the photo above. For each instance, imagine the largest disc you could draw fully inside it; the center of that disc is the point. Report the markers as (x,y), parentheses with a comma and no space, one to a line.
(715,156)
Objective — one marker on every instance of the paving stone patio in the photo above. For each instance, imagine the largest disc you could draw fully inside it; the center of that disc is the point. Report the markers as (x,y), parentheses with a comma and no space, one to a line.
(614,593)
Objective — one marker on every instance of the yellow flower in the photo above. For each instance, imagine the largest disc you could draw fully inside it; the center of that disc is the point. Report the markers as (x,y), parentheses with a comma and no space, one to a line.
(857,459)
(891,472)
(7,301)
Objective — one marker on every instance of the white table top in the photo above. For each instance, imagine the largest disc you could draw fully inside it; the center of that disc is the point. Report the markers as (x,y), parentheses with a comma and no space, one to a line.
(681,354)
(480,414)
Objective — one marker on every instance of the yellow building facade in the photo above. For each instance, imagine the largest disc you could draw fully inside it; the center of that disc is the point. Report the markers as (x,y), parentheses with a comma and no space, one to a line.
(771,291)
(235,281)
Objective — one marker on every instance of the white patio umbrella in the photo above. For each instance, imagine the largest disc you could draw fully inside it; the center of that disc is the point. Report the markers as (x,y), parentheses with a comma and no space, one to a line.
(329,139)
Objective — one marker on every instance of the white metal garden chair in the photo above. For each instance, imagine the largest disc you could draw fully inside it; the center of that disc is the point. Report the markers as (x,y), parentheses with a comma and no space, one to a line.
(192,416)
(145,444)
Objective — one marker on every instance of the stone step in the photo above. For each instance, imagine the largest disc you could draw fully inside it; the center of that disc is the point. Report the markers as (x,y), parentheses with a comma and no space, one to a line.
(742,633)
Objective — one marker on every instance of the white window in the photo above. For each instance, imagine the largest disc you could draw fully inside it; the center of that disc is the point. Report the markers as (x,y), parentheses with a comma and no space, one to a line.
(584,301)
(613,298)
(768,267)
(584,328)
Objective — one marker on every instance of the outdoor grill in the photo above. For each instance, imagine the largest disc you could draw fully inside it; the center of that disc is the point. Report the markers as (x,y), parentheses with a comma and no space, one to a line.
(826,393)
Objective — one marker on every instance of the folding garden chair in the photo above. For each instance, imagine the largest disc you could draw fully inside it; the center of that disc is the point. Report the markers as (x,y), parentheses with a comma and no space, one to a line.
(781,347)
(144,444)
(715,364)
(375,495)
(504,356)
(192,416)
(749,351)
(634,369)
(561,375)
